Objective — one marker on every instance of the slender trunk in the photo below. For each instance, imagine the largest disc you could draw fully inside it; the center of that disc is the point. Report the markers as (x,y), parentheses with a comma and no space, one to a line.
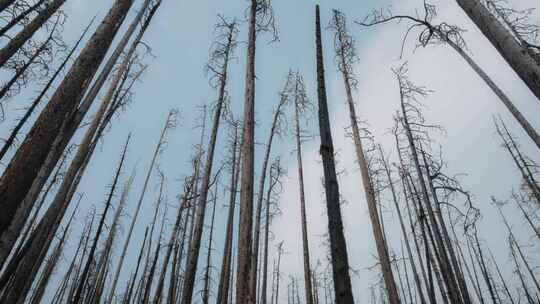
(195,245)
(138,208)
(503,281)
(257,233)
(518,271)
(243,292)
(303,220)
(338,246)
(13,22)
(515,55)
(28,31)
(25,165)
(20,72)
(132,283)
(403,229)
(265,258)
(224,280)
(527,127)
(84,274)
(207,273)
(5,3)
(150,280)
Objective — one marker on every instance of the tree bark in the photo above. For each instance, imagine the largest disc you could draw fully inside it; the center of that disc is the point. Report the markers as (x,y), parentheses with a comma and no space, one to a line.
(338,246)
(515,55)
(243,294)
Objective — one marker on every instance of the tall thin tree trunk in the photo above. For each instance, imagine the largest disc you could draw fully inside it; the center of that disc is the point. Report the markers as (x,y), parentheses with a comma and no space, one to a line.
(303,220)
(207,271)
(515,55)
(338,246)
(195,245)
(260,195)
(139,204)
(84,274)
(243,292)
(524,123)
(369,192)
(29,30)
(225,275)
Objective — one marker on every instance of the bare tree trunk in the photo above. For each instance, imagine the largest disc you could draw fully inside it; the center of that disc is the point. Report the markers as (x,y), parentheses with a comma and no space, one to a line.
(28,31)
(9,142)
(518,271)
(338,245)
(527,127)
(403,229)
(25,165)
(265,257)
(243,292)
(278,267)
(515,55)
(139,204)
(299,91)
(503,281)
(195,245)
(342,50)
(224,280)
(207,273)
(19,72)
(84,274)
(256,239)
(13,22)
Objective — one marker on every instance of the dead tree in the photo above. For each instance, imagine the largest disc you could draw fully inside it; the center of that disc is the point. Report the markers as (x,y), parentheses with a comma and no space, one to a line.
(301,105)
(19,16)
(22,121)
(345,59)
(25,165)
(207,271)
(261,19)
(225,274)
(526,166)
(169,124)
(108,203)
(338,245)
(515,54)
(29,30)
(275,129)
(219,63)
(276,172)
(444,33)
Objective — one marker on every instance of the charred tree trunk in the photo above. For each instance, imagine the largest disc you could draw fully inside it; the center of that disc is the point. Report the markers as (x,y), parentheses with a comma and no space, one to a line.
(207,273)
(19,17)
(338,246)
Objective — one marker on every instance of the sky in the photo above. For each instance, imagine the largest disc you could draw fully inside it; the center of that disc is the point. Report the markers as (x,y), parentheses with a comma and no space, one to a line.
(180,37)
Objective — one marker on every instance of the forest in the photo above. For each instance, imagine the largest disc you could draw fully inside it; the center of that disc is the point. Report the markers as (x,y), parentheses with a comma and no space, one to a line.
(269,151)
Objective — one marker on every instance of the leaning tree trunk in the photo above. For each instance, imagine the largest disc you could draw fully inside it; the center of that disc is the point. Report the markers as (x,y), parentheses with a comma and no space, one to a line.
(28,31)
(13,22)
(338,245)
(502,39)
(303,220)
(25,165)
(11,139)
(529,129)
(243,294)
(378,234)
(207,273)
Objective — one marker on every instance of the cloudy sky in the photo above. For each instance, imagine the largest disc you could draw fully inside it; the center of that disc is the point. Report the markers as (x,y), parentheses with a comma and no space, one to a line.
(180,37)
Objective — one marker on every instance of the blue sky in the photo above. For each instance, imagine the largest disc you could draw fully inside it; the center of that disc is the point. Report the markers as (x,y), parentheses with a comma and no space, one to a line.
(180,37)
